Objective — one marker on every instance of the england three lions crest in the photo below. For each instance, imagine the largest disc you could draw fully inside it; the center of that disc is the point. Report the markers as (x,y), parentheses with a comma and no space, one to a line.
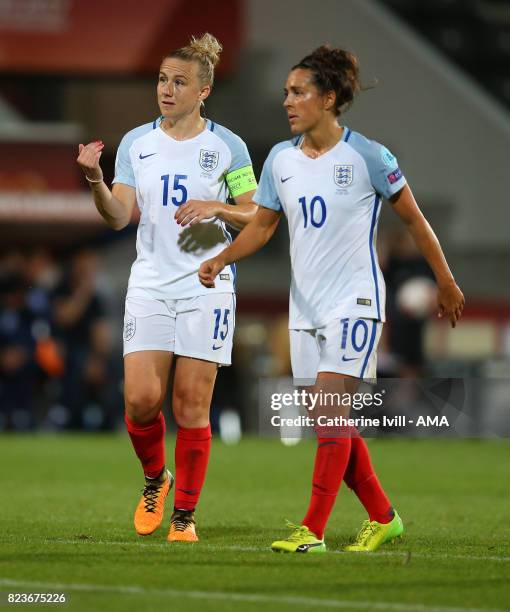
(129,328)
(208,160)
(343,174)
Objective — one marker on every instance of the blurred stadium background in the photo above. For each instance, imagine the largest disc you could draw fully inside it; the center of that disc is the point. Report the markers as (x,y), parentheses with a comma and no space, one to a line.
(73,70)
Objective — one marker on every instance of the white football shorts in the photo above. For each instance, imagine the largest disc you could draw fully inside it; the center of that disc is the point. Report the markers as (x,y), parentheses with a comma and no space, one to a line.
(200,327)
(345,346)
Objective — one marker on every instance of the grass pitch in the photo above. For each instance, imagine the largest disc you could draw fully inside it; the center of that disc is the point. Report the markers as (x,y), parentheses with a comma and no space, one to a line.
(68,501)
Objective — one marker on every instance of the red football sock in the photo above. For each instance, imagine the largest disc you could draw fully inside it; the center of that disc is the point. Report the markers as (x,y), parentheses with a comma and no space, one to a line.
(149,443)
(362,479)
(331,460)
(191,458)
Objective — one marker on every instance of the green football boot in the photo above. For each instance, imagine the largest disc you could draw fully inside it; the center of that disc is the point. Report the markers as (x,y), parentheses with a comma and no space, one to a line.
(301,540)
(372,534)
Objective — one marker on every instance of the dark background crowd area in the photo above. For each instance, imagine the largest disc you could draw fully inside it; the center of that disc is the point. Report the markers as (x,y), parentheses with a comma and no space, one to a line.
(58,366)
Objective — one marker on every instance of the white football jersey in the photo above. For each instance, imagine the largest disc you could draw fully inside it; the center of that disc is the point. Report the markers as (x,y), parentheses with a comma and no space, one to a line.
(167,173)
(332,205)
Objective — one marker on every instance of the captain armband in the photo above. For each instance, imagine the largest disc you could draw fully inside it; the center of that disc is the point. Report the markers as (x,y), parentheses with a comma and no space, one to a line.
(240,181)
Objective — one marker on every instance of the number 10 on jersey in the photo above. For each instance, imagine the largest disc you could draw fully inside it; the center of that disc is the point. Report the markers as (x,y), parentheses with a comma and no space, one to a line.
(315,211)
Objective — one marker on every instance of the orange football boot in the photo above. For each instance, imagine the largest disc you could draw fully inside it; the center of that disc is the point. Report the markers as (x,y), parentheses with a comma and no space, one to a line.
(182,527)
(149,512)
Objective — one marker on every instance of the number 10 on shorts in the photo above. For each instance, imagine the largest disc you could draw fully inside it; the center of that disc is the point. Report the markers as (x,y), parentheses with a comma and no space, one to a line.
(359,334)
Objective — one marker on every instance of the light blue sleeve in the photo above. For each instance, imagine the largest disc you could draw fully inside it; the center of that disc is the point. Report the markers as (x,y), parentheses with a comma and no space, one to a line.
(238,149)
(266,194)
(385,174)
(123,167)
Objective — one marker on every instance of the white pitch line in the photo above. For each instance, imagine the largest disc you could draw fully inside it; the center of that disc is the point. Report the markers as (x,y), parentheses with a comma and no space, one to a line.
(429,555)
(240,597)
(205,546)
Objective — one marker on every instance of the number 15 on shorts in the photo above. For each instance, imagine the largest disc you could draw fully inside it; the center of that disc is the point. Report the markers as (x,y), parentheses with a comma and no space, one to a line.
(221,318)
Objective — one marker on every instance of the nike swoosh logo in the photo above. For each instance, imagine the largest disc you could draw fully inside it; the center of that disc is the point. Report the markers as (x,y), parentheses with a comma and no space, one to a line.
(144,156)
(344,358)
(215,348)
(189,492)
(284,180)
(305,547)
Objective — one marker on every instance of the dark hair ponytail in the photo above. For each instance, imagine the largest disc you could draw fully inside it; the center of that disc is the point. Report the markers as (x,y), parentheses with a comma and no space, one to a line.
(334,70)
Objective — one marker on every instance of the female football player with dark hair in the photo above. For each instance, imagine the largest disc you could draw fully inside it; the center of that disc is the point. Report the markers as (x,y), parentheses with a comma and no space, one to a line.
(329,182)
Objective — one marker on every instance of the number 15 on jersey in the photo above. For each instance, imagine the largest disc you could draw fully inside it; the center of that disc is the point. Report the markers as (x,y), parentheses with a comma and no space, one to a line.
(178,187)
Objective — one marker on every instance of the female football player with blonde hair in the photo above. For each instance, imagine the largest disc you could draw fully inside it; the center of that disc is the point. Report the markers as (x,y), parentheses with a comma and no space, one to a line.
(180,169)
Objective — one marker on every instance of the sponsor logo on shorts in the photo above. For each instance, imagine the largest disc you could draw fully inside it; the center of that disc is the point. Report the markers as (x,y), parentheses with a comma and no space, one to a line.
(394,176)
(215,348)
(225,277)
(129,328)
(344,358)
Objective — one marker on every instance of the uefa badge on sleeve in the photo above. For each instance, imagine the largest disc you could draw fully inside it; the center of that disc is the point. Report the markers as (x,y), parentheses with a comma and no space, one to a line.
(343,174)
(208,160)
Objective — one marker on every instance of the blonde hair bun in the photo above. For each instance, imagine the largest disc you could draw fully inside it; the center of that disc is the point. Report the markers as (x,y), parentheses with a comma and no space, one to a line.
(204,50)
(206,46)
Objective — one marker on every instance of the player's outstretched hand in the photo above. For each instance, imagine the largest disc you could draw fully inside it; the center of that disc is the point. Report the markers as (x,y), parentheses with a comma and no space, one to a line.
(195,211)
(209,270)
(88,159)
(451,302)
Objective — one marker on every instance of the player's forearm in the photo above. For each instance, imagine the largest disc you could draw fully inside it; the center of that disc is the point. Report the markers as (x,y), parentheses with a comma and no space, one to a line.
(426,240)
(237,216)
(113,211)
(252,238)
